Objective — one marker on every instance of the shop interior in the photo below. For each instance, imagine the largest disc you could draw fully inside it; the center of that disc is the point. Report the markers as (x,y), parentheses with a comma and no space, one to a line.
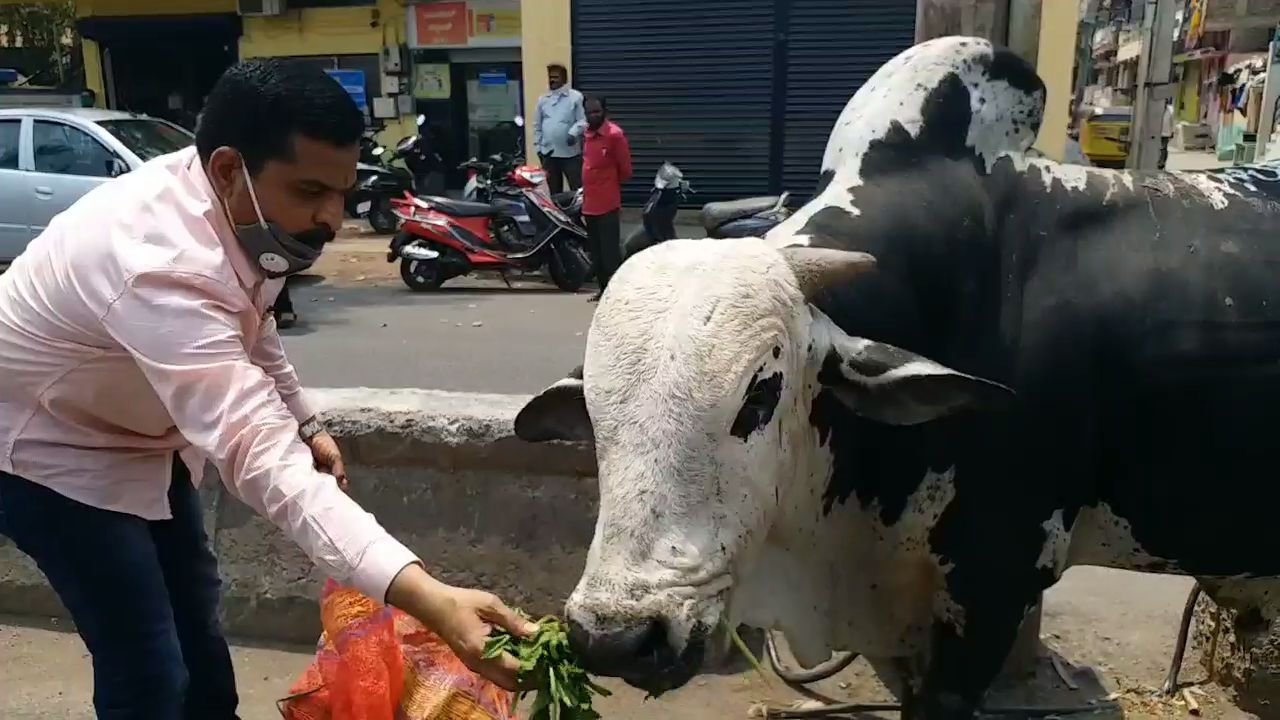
(470,101)
(163,66)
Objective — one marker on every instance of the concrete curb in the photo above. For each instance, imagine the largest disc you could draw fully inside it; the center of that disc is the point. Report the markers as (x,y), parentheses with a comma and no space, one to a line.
(440,470)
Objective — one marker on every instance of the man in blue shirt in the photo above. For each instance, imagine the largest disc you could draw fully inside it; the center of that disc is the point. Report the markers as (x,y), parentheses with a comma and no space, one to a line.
(558,124)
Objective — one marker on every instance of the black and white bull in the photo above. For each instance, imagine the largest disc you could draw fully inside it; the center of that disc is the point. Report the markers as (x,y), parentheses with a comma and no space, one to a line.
(1043,366)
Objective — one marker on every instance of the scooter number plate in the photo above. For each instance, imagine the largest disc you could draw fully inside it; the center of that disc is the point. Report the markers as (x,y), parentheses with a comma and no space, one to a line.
(363,207)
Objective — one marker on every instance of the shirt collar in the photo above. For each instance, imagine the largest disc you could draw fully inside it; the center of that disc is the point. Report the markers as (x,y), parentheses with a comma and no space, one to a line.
(246,273)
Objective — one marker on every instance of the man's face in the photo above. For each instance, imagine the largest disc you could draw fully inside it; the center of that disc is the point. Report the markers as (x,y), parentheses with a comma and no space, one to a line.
(555,78)
(305,193)
(595,114)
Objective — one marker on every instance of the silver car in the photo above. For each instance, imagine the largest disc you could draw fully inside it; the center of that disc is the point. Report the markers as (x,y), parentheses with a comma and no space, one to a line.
(50,157)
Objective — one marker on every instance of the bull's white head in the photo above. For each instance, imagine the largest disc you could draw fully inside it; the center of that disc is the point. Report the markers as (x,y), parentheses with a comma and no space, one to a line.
(704,365)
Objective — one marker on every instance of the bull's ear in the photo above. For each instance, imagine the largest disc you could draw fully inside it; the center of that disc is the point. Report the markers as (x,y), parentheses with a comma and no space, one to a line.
(557,413)
(890,385)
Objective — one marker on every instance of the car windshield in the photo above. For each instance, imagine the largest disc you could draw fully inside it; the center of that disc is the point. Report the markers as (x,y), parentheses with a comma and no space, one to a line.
(148,138)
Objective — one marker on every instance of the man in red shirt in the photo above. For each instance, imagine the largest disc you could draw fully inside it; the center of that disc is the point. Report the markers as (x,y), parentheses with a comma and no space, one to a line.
(606,164)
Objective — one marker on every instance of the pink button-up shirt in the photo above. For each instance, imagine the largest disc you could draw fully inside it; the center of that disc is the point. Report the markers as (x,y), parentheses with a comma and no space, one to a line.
(135,327)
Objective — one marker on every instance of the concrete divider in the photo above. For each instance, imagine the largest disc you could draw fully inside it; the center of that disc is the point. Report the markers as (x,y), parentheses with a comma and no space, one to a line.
(441,471)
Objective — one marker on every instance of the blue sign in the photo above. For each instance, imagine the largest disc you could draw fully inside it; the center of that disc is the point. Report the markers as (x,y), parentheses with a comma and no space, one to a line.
(353,82)
(493,77)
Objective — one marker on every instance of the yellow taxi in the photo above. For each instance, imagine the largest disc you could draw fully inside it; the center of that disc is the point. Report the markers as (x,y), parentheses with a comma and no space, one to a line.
(1104,135)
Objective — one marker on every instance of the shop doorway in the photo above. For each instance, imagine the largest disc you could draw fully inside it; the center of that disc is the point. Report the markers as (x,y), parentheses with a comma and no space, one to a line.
(470,99)
(164,66)
(492,102)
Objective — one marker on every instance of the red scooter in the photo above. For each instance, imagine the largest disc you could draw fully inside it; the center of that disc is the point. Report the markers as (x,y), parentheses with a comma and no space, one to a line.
(441,238)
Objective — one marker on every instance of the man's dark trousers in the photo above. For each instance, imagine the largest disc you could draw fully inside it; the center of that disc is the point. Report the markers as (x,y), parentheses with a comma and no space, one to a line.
(559,168)
(605,232)
(143,595)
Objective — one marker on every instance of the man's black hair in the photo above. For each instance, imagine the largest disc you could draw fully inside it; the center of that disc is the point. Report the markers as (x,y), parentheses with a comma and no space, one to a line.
(557,66)
(604,103)
(258,106)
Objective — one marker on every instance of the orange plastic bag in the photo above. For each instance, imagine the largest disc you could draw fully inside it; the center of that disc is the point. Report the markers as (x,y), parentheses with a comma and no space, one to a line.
(374,662)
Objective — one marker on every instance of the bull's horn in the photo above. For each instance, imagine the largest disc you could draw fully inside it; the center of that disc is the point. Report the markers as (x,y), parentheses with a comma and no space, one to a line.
(818,268)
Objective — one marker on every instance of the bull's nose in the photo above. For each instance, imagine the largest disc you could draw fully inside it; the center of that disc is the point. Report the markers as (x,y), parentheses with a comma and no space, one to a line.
(626,650)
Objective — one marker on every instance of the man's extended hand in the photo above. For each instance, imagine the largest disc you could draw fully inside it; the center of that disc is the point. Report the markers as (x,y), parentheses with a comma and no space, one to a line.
(462,618)
(324,450)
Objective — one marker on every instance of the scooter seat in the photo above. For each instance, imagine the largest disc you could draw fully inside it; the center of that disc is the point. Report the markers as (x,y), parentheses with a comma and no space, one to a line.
(461,208)
(715,214)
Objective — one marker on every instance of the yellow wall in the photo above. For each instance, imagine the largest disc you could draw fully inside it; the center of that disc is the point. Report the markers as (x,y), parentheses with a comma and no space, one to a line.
(1189,93)
(318,31)
(545,38)
(322,31)
(93,77)
(1055,60)
(153,7)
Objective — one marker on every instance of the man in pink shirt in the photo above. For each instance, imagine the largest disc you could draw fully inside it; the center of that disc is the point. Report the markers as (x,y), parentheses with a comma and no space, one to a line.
(137,342)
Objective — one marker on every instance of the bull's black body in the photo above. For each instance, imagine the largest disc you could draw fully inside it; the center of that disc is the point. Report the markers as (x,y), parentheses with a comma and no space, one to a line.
(1140,329)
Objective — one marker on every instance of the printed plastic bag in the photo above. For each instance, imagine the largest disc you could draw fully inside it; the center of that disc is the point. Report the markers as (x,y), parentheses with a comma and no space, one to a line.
(374,662)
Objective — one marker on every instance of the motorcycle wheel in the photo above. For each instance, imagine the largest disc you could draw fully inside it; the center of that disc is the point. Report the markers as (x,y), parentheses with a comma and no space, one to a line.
(421,275)
(571,275)
(383,221)
(638,240)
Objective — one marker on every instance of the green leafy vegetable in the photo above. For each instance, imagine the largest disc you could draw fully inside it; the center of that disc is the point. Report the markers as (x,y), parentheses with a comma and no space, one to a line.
(548,669)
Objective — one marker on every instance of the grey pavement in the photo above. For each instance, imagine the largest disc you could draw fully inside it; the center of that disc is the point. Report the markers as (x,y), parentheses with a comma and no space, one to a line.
(471,336)
(1121,624)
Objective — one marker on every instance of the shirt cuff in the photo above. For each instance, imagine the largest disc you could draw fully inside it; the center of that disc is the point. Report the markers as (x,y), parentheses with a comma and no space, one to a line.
(298,405)
(381,562)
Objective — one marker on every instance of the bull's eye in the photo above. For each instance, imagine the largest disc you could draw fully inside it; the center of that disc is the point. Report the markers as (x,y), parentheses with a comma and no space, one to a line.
(758,406)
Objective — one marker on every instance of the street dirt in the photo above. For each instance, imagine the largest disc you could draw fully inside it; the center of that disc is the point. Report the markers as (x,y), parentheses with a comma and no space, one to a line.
(1113,632)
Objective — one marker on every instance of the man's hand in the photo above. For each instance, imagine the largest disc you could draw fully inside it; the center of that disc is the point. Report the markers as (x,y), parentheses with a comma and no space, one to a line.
(324,450)
(462,618)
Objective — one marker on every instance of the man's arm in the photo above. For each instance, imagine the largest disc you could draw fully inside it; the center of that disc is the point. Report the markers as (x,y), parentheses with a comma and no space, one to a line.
(579,126)
(182,331)
(268,354)
(622,155)
(537,124)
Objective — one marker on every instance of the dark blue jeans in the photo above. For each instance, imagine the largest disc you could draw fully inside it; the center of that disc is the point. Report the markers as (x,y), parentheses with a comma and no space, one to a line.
(143,595)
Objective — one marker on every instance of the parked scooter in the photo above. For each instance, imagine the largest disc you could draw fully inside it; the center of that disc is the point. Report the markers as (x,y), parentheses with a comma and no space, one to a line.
(376,186)
(442,238)
(749,217)
(505,175)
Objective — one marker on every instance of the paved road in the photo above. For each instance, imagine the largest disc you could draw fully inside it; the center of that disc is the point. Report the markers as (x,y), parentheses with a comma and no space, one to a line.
(473,335)
(479,336)
(1122,624)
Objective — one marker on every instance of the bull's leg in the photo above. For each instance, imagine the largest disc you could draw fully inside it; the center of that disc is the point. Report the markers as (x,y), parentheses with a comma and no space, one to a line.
(966,656)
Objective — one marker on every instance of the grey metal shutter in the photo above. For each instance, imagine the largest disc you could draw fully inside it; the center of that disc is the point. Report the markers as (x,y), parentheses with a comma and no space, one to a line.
(688,81)
(832,49)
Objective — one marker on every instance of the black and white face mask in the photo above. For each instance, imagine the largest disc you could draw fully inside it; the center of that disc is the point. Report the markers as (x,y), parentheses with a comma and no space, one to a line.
(277,252)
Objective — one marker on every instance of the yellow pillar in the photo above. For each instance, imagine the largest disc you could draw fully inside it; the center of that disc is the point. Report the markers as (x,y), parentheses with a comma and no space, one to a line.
(93,78)
(1055,60)
(545,38)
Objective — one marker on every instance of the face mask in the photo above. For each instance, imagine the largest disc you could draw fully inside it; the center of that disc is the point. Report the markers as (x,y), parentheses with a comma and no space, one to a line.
(277,252)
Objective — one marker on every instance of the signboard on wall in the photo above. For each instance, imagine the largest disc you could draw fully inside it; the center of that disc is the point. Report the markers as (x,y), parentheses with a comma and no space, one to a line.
(464,24)
(353,82)
(431,81)
(440,24)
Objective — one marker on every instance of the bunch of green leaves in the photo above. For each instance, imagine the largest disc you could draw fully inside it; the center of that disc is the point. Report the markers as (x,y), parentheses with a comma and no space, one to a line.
(548,669)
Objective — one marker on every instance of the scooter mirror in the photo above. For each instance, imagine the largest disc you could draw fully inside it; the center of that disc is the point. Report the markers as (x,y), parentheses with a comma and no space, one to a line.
(519,121)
